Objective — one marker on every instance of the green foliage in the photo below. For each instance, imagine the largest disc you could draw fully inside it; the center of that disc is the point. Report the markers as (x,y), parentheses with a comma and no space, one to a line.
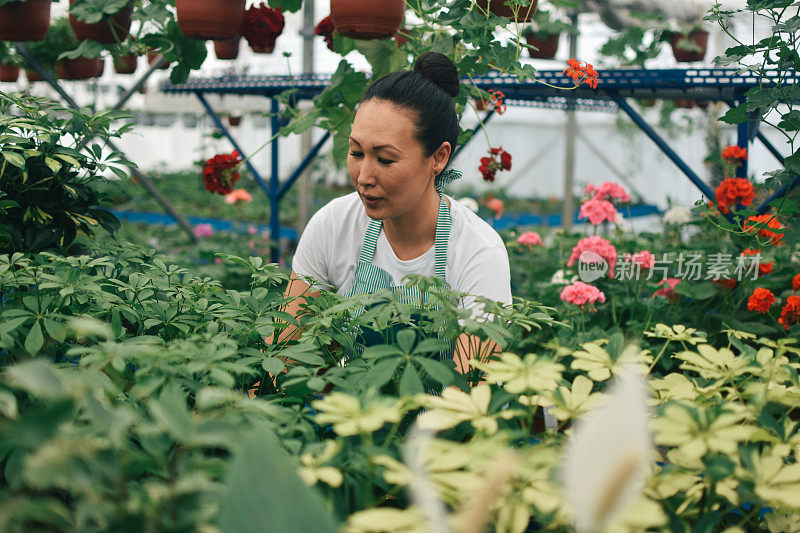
(59,38)
(47,194)
(92,11)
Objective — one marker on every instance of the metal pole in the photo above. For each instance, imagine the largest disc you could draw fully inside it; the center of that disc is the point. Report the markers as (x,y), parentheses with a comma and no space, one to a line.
(274,187)
(662,144)
(305,186)
(771,147)
(140,176)
(568,210)
(309,157)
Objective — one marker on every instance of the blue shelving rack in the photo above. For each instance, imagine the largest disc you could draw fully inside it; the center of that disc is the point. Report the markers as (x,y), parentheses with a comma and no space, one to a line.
(552,89)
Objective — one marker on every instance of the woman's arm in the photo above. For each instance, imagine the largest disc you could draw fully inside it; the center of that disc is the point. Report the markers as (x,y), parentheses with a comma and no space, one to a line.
(297,293)
(470,347)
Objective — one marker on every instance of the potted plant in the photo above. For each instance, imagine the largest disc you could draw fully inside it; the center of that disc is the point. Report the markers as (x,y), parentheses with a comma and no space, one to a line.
(49,188)
(104,22)
(80,61)
(234,120)
(229,49)
(261,27)
(25,20)
(125,63)
(210,19)
(543,35)
(523,11)
(47,51)
(367,19)
(9,64)
(689,44)
(152,57)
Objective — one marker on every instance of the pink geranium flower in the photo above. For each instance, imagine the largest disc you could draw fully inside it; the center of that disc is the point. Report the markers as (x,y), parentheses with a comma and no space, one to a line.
(238,195)
(203,230)
(598,211)
(608,189)
(580,293)
(667,289)
(496,205)
(597,245)
(530,239)
(644,259)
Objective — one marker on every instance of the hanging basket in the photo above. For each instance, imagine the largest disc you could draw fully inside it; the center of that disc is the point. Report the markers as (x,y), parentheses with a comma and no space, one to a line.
(152,57)
(110,29)
(25,21)
(9,73)
(125,64)
(234,120)
(32,76)
(499,8)
(698,37)
(210,19)
(367,19)
(227,50)
(547,45)
(81,68)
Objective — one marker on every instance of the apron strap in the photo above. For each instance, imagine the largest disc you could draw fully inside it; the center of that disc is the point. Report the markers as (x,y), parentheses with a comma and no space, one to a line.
(443,224)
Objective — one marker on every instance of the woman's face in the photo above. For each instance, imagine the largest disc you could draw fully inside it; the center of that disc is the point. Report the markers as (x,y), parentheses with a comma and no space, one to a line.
(386,163)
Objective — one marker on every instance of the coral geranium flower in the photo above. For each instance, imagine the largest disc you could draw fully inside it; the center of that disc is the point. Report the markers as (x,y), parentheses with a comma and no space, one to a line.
(761,300)
(790,313)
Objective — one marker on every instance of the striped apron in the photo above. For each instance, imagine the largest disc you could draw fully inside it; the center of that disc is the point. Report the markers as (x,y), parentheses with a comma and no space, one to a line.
(370,278)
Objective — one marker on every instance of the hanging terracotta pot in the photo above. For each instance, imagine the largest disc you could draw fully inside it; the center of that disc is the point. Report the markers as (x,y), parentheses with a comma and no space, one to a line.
(547,45)
(698,37)
(268,49)
(9,73)
(32,76)
(125,64)
(367,19)
(684,103)
(647,102)
(210,19)
(234,120)
(499,8)
(109,30)
(227,49)
(152,57)
(24,21)
(81,68)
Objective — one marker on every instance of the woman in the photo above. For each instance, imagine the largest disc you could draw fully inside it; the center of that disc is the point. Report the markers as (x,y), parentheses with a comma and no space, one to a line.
(398,222)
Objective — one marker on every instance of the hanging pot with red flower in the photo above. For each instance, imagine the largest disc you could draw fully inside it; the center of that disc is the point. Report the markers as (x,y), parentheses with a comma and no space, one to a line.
(524,11)
(227,50)
(367,19)
(261,27)
(544,46)
(210,19)
(24,21)
(108,29)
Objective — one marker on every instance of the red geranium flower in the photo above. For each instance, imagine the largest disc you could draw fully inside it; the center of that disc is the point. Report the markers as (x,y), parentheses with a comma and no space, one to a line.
(763,225)
(733,191)
(763,268)
(325,28)
(220,172)
(726,283)
(790,312)
(261,27)
(734,153)
(497,101)
(796,282)
(581,73)
(498,160)
(761,300)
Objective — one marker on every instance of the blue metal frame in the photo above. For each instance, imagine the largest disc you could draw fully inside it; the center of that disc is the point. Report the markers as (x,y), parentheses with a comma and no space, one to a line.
(557,92)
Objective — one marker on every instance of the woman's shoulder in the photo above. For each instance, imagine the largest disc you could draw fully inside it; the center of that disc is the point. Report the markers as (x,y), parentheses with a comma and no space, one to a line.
(471,229)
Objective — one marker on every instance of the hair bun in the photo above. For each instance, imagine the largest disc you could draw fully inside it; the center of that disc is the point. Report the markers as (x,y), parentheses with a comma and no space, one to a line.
(440,70)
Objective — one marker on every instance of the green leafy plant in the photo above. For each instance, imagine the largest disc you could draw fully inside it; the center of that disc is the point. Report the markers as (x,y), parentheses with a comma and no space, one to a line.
(46,182)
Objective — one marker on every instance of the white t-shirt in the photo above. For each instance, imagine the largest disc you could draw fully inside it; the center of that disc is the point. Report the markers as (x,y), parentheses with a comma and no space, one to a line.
(477,260)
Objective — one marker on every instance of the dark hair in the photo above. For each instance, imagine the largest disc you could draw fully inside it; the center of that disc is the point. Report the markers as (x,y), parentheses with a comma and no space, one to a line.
(428,90)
